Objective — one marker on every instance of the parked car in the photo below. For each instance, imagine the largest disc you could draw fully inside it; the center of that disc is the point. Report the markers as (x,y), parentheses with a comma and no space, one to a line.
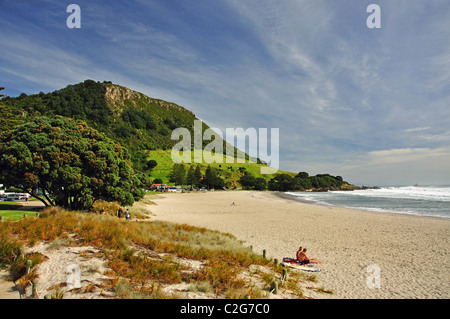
(16,196)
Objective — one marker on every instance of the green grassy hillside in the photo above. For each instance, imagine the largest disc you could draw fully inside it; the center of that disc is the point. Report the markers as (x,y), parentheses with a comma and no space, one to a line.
(230,172)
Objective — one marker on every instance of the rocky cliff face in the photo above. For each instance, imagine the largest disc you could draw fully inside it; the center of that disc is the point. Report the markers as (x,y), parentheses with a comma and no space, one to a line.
(116,95)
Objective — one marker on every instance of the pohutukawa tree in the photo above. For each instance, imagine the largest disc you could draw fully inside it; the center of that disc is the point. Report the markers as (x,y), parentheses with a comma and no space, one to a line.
(64,162)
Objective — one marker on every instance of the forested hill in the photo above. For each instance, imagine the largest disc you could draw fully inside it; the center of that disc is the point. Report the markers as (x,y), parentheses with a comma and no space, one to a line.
(136,121)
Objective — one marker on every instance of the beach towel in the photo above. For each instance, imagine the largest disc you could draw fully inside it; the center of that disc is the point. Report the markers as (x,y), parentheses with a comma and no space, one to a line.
(290,260)
(295,261)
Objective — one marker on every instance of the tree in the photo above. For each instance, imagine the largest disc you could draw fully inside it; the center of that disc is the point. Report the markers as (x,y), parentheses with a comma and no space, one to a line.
(151,164)
(302,175)
(209,176)
(178,175)
(247,181)
(194,176)
(260,184)
(197,176)
(72,164)
(144,179)
(211,180)
(301,183)
(190,179)
(281,182)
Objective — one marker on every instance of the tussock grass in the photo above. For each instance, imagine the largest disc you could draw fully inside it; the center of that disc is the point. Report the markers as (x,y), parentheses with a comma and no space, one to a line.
(142,256)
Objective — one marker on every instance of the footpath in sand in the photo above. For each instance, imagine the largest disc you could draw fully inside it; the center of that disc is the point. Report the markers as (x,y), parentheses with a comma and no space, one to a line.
(411,253)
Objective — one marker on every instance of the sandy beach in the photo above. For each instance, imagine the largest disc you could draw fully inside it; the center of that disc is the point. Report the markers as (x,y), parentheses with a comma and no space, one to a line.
(411,253)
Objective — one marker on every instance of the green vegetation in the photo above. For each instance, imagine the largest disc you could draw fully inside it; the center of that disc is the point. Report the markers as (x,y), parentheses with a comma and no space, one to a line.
(16,214)
(230,172)
(302,181)
(143,126)
(9,205)
(12,211)
(248,181)
(194,177)
(137,122)
(178,174)
(212,180)
(84,101)
(72,164)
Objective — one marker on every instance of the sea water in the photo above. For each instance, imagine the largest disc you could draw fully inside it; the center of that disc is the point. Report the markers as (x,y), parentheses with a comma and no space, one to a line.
(414,200)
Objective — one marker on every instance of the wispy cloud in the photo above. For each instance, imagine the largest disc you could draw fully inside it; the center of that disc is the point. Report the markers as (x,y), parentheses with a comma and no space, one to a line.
(340,93)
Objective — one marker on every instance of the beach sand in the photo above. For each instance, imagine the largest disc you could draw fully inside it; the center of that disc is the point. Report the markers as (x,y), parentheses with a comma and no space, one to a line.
(410,252)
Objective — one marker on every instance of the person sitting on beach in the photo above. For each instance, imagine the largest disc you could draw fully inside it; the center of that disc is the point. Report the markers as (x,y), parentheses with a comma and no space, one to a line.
(299,251)
(301,257)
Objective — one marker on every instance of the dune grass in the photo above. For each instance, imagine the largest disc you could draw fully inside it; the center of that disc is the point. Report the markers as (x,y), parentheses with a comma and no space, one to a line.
(142,255)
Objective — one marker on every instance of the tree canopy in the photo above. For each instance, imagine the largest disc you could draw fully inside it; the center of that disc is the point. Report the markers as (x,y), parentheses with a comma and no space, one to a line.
(303,181)
(194,176)
(178,175)
(212,180)
(65,162)
(248,181)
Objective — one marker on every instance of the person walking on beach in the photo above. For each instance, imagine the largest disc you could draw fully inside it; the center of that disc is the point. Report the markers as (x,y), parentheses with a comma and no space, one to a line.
(127,215)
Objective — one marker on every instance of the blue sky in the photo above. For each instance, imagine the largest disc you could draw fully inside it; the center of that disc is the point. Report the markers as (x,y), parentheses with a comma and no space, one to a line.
(372,105)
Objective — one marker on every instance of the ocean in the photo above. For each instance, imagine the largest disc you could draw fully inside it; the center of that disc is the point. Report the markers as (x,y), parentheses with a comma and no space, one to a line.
(431,201)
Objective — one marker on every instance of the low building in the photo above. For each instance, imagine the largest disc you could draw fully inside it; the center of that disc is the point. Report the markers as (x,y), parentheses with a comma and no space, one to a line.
(158,187)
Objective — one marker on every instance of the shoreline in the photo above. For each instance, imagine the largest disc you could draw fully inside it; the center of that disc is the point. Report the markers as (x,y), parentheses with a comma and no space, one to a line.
(289,197)
(412,252)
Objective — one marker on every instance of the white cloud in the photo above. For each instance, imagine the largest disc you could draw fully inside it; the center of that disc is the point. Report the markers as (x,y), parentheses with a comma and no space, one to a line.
(336,90)
(416,129)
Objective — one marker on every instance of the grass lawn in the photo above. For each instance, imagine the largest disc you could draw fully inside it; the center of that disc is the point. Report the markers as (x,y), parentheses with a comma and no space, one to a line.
(228,171)
(12,215)
(9,205)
